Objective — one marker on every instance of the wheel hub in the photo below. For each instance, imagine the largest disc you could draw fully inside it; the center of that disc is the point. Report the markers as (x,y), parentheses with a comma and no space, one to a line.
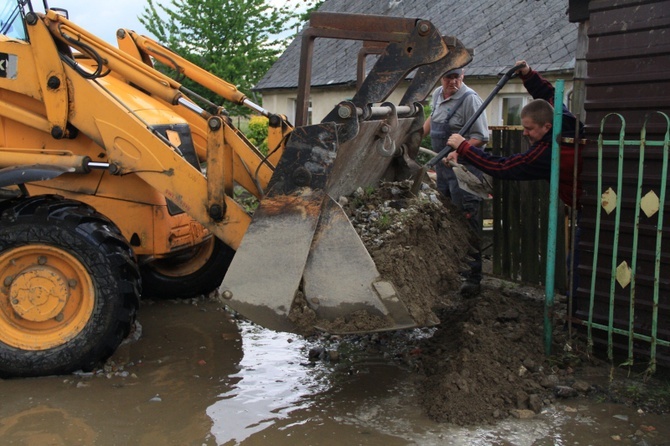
(46,296)
(38,295)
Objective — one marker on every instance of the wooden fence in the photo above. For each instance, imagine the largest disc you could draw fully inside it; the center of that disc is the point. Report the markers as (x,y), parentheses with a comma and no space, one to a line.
(519,210)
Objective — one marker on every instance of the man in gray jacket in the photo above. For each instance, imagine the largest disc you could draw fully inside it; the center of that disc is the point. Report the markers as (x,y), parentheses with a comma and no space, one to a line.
(453,103)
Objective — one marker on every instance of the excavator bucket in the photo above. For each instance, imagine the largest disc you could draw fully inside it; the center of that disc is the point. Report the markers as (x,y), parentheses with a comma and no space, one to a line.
(300,242)
(300,251)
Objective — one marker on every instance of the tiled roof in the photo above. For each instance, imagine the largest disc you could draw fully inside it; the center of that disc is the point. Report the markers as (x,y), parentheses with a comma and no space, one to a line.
(500,31)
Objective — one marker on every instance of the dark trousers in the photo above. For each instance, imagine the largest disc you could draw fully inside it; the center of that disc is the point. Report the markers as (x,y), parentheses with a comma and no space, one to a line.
(470,205)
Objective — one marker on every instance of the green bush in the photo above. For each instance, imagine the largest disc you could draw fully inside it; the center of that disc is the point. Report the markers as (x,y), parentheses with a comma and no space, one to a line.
(423,158)
(258,133)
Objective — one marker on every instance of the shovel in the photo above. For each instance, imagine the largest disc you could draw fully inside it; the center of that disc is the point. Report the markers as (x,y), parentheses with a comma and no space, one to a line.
(418,179)
(467,180)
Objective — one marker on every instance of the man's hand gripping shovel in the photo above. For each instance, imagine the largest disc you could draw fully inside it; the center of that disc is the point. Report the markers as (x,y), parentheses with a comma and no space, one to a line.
(465,180)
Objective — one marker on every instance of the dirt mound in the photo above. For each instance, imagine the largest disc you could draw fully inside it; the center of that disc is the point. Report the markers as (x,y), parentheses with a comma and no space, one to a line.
(486,359)
(418,244)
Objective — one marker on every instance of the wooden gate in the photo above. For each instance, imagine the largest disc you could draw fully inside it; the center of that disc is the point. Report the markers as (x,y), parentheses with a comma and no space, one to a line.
(520,210)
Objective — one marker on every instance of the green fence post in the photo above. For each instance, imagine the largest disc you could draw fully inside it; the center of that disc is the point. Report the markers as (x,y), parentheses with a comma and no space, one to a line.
(553,214)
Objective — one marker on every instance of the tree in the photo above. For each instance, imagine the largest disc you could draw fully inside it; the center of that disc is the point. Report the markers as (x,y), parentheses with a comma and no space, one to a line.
(311,6)
(236,40)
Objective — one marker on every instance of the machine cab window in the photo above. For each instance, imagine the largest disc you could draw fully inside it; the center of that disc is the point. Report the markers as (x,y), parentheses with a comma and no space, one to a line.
(11,19)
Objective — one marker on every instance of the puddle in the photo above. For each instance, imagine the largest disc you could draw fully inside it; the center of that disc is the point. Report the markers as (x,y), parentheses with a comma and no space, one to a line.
(274,381)
(197,378)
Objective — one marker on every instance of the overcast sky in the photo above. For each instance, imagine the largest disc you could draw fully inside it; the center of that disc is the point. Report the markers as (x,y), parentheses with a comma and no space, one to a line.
(103,18)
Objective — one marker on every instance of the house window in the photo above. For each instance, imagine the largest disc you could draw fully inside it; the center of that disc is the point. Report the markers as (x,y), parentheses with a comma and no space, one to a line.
(511,109)
(294,103)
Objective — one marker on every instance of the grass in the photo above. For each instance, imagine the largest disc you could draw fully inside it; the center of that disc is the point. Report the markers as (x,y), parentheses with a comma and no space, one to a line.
(384,222)
(245,199)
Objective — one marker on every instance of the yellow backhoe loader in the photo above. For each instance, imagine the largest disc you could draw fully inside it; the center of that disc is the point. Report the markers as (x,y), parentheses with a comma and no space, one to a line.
(117,181)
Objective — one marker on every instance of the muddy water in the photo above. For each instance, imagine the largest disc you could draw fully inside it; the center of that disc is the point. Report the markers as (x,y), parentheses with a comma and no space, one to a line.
(195,377)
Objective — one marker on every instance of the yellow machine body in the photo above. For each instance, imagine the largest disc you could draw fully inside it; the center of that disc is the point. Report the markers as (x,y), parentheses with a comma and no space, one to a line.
(99,151)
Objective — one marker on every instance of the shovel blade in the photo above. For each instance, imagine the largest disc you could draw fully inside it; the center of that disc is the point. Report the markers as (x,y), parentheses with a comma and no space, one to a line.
(470,182)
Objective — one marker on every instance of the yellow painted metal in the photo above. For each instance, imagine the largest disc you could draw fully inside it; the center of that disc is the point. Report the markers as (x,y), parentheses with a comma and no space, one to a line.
(228,167)
(276,141)
(17,157)
(127,67)
(219,86)
(51,77)
(20,114)
(249,170)
(187,262)
(131,149)
(46,299)
(137,207)
(27,84)
(246,165)
(129,47)
(26,128)
(215,167)
(140,213)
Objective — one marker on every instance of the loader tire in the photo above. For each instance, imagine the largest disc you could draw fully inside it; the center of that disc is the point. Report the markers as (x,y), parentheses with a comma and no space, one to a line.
(196,271)
(69,287)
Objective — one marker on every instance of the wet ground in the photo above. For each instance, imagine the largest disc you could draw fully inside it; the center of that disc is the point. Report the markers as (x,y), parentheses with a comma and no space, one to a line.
(194,376)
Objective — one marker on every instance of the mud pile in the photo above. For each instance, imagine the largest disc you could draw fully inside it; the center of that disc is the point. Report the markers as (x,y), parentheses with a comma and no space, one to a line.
(486,359)
(418,243)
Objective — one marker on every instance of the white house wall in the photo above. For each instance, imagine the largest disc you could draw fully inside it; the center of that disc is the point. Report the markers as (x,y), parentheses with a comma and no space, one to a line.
(324,100)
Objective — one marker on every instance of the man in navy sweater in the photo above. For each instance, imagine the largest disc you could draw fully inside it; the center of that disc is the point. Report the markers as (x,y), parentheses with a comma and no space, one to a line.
(534,164)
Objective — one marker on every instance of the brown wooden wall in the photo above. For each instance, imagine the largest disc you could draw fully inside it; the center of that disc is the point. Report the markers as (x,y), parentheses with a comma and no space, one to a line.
(628,73)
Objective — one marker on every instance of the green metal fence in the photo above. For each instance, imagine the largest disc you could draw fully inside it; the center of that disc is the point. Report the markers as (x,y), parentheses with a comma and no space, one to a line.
(618,280)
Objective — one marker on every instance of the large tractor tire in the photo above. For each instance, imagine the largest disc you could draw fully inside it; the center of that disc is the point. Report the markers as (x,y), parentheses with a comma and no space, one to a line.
(69,287)
(193,272)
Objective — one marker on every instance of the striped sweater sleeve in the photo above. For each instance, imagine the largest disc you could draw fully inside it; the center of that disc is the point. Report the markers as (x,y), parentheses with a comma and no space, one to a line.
(534,164)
